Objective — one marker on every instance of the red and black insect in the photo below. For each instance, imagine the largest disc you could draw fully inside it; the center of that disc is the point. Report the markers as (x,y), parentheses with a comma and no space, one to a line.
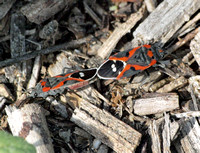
(130,62)
(57,84)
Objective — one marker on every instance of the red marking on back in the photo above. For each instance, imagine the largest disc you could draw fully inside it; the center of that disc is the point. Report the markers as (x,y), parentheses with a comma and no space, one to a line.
(131,52)
(137,67)
(149,53)
(43,83)
(63,82)
(45,89)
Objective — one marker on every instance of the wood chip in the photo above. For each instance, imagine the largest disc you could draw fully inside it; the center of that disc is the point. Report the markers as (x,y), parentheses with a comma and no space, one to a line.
(153,130)
(195,47)
(173,85)
(111,131)
(31,125)
(165,20)
(160,102)
(5,92)
(188,139)
(40,10)
(119,32)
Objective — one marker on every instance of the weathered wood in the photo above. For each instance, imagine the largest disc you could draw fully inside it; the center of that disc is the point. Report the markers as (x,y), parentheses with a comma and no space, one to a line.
(155,138)
(187,114)
(5,92)
(162,102)
(195,47)
(166,135)
(29,123)
(195,85)
(119,32)
(41,10)
(17,73)
(111,131)
(173,85)
(165,20)
(5,7)
(188,139)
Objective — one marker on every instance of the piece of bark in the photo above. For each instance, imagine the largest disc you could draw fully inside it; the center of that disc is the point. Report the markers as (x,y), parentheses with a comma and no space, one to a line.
(29,123)
(111,131)
(42,10)
(187,114)
(189,26)
(5,7)
(159,84)
(195,85)
(165,21)
(195,47)
(182,41)
(166,135)
(173,85)
(188,58)
(92,14)
(154,133)
(62,61)
(188,139)
(17,48)
(5,92)
(35,73)
(162,102)
(119,32)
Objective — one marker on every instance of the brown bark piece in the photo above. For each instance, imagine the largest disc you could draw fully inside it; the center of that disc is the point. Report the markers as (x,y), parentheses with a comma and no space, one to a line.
(41,10)
(195,47)
(111,131)
(165,20)
(29,123)
(157,103)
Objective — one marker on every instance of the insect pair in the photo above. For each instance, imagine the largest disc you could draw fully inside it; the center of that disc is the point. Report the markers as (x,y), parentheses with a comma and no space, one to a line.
(121,65)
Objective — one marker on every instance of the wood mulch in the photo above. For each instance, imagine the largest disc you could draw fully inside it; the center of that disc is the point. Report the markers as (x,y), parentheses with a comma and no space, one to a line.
(39,38)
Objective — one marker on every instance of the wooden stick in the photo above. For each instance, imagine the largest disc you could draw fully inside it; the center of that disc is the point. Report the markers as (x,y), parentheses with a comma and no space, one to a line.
(153,130)
(187,114)
(29,123)
(33,54)
(119,32)
(163,102)
(176,84)
(166,135)
(111,131)
(158,25)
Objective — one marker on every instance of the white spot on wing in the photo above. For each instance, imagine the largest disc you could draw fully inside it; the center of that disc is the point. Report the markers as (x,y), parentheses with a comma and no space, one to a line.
(114,69)
(81,74)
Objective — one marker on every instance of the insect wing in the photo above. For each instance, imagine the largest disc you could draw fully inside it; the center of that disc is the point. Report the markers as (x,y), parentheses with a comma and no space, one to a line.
(57,84)
(130,62)
(110,69)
